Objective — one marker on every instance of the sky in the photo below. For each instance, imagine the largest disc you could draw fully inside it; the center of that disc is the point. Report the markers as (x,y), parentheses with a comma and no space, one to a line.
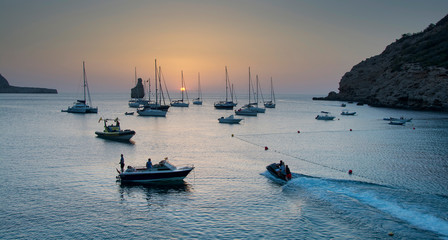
(306,46)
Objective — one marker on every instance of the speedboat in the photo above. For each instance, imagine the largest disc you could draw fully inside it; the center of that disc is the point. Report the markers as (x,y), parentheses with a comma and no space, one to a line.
(274,169)
(113,131)
(325,116)
(163,171)
(230,119)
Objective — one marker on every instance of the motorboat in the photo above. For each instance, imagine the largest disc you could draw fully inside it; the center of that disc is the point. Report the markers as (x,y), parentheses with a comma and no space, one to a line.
(325,116)
(230,119)
(274,169)
(347,113)
(80,106)
(163,171)
(114,132)
(398,119)
(397,122)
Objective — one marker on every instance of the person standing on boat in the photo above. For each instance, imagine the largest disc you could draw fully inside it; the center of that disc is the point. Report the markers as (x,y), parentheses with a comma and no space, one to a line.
(122,163)
(149,164)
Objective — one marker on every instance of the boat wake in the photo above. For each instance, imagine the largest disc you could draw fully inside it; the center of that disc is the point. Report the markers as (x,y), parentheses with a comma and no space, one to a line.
(412,208)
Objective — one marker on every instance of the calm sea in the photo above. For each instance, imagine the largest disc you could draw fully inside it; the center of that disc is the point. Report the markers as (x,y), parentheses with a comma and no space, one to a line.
(58,179)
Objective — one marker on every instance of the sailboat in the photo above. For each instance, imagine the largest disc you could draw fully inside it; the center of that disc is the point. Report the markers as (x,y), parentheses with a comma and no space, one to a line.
(226,104)
(80,106)
(248,109)
(198,100)
(155,109)
(254,105)
(180,102)
(271,103)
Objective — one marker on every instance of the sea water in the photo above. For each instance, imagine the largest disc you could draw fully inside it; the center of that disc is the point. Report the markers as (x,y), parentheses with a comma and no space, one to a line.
(58,180)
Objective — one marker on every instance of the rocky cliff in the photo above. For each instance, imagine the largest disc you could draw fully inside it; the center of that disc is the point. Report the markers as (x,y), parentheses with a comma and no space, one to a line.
(410,73)
(6,88)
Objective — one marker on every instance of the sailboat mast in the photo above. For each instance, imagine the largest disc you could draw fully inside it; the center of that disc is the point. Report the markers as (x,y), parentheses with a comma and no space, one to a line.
(84,79)
(182,89)
(249,85)
(227,87)
(155,77)
(199,87)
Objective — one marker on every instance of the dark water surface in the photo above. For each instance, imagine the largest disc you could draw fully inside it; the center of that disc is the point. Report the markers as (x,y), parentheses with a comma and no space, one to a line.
(58,179)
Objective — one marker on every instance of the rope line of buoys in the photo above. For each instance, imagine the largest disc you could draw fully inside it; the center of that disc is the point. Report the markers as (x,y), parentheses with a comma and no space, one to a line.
(350,171)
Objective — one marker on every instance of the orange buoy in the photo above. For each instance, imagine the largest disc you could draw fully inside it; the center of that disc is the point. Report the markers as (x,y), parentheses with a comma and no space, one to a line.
(350,171)
(266,148)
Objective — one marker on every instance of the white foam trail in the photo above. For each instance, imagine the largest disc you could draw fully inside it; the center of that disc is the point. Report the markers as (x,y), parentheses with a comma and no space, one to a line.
(416,218)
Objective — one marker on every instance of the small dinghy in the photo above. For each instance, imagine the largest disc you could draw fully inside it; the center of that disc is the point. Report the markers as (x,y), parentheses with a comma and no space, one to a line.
(129,113)
(113,131)
(230,119)
(163,171)
(280,171)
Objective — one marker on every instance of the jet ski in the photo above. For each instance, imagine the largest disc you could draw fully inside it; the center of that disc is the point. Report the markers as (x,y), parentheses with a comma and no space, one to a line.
(274,169)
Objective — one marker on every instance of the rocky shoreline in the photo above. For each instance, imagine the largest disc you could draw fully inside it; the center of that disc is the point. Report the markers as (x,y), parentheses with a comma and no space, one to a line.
(411,73)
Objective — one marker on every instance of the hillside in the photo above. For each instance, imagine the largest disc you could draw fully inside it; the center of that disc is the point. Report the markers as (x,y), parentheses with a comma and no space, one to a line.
(6,88)
(410,73)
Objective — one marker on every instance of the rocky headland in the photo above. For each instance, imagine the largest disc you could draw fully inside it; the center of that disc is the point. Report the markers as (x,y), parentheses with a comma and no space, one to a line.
(410,73)
(6,88)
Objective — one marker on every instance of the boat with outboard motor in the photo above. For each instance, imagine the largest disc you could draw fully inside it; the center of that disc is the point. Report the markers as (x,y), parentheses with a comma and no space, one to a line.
(113,131)
(280,171)
(163,171)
